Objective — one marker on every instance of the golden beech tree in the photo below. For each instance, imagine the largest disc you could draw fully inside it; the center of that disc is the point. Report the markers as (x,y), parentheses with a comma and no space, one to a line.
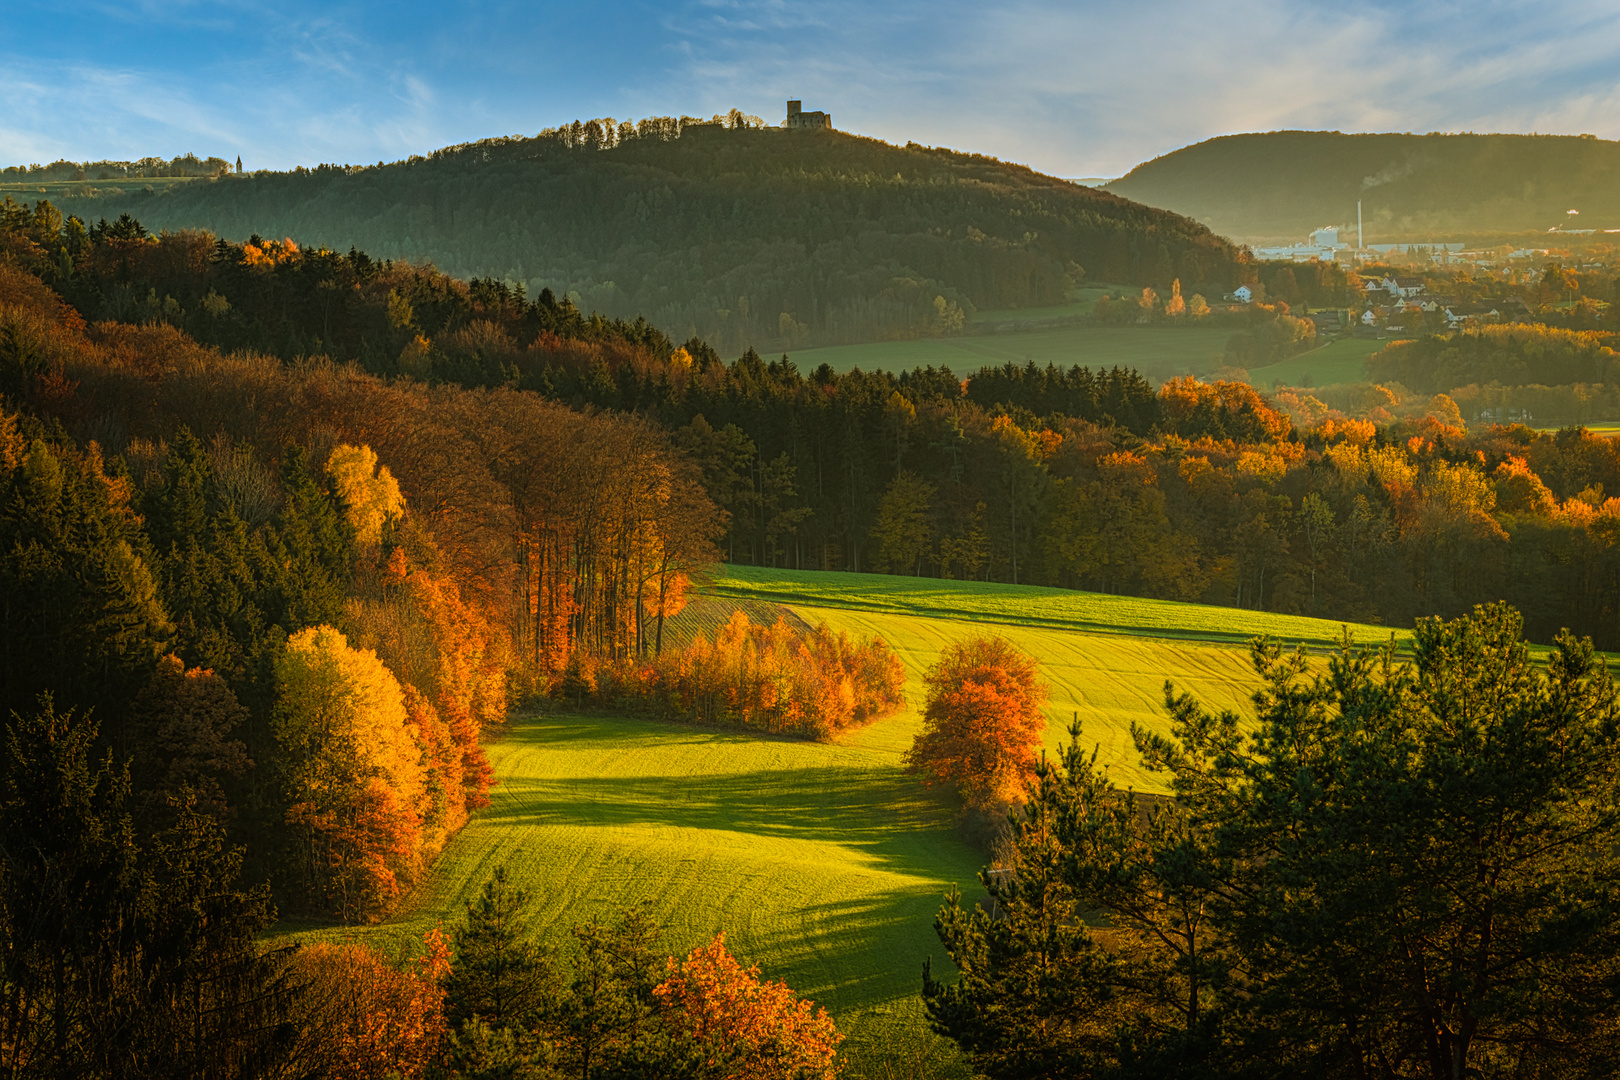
(982,720)
(369,491)
(352,770)
(755,1030)
(445,650)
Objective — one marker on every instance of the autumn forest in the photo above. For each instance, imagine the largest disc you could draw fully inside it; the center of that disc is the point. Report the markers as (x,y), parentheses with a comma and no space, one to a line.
(289,535)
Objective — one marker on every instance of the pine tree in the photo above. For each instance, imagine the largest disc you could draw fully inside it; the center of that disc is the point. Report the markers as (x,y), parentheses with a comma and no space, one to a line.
(122,956)
(496,976)
(315,548)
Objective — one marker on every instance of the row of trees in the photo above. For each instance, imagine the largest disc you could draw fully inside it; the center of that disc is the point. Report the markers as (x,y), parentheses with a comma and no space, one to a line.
(183,165)
(1399,869)
(782,678)
(1513,355)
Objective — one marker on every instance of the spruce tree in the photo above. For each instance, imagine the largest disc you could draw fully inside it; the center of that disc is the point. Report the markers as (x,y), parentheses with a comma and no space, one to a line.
(497,976)
(314,548)
(80,612)
(122,956)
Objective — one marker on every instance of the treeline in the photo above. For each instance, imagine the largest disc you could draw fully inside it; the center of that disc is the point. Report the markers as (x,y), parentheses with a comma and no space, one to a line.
(722,229)
(188,165)
(775,678)
(1070,478)
(1511,356)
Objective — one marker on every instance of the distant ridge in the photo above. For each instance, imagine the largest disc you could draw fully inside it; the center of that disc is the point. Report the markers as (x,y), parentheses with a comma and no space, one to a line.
(742,234)
(1282,184)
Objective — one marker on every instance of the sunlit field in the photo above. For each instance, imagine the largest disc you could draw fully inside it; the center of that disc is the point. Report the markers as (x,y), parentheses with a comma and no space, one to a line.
(64,192)
(823,862)
(1028,605)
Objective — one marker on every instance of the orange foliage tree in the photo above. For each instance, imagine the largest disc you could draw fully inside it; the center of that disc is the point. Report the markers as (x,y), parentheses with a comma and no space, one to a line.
(750,1029)
(982,720)
(366,1019)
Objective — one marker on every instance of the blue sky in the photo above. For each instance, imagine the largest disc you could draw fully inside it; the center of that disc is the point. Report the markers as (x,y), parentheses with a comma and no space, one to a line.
(1075,89)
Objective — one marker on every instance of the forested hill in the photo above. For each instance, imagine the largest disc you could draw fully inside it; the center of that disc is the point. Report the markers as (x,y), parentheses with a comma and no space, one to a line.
(740,234)
(1282,184)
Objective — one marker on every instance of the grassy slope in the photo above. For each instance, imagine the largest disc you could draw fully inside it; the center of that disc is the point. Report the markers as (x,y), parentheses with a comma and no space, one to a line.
(1025,605)
(63,192)
(1158,353)
(824,863)
(1106,681)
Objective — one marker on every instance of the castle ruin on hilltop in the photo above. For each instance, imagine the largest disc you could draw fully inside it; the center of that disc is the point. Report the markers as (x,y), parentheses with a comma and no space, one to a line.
(798,118)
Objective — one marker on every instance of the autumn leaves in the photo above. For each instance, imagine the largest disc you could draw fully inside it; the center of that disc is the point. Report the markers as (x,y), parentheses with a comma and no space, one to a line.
(982,721)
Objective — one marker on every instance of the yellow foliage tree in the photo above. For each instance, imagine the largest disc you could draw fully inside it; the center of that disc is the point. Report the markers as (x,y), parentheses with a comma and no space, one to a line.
(352,769)
(370,493)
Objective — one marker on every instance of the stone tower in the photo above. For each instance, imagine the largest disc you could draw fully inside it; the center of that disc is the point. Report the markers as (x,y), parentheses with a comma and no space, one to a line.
(798,118)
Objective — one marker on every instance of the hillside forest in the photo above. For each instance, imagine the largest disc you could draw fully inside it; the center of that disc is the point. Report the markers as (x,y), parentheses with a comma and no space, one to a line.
(720,228)
(1380,508)
(1282,184)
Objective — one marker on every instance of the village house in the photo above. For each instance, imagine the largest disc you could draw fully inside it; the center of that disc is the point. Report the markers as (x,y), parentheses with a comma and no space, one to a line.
(1327,323)
(1402,287)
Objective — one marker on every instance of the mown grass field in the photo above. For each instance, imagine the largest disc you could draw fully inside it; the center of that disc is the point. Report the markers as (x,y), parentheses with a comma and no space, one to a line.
(823,862)
(1341,361)
(1158,353)
(1027,605)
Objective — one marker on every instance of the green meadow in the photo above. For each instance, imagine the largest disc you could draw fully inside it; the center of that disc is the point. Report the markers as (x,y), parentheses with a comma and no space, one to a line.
(1341,361)
(1027,605)
(823,862)
(58,190)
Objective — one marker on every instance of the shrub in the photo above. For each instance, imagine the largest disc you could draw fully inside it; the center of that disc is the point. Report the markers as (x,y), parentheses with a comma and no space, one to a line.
(772,678)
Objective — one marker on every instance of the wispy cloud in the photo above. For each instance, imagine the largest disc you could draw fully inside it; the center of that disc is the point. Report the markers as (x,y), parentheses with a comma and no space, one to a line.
(1095,88)
(1074,88)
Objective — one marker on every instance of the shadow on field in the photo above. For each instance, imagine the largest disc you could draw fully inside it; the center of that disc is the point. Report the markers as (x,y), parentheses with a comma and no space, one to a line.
(877,810)
(844,798)
(825,862)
